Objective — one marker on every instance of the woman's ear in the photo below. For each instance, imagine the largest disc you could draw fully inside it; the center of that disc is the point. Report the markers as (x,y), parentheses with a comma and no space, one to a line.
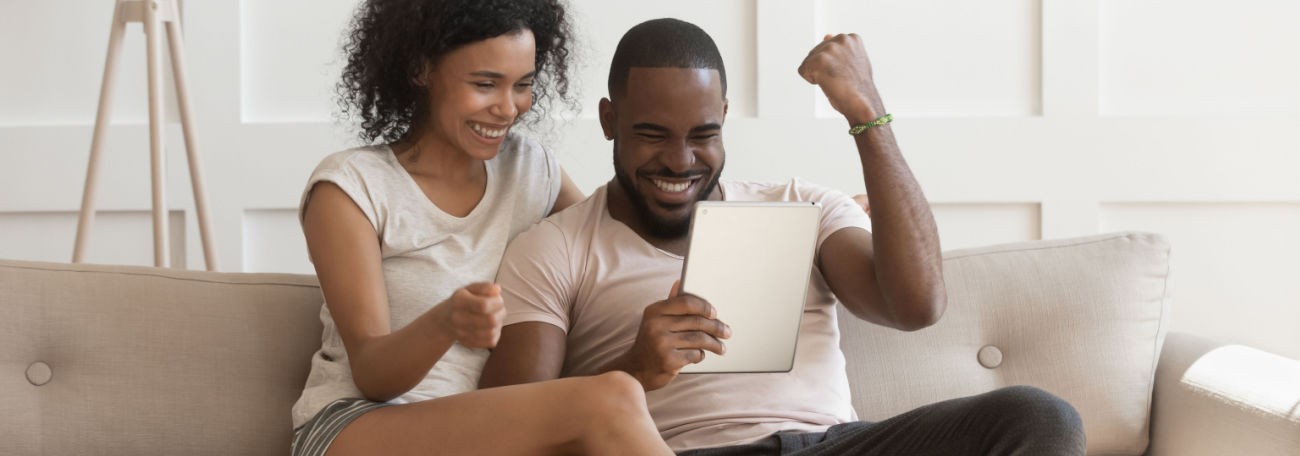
(422,75)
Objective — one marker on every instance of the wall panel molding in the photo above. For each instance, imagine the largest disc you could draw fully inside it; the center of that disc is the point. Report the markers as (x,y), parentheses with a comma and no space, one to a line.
(117,237)
(936,58)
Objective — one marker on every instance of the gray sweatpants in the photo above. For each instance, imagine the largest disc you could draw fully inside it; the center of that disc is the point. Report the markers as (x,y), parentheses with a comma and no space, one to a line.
(1019,420)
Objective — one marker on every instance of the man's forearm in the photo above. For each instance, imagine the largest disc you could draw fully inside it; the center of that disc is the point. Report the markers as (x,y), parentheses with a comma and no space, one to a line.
(904,237)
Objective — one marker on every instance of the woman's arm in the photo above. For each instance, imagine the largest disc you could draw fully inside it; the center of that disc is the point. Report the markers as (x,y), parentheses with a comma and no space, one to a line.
(385,363)
(569,193)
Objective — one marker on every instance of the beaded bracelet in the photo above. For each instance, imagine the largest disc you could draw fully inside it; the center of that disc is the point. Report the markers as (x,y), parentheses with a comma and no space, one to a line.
(859,128)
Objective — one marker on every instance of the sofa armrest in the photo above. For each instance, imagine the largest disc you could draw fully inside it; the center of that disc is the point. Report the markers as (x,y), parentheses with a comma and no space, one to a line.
(1215,399)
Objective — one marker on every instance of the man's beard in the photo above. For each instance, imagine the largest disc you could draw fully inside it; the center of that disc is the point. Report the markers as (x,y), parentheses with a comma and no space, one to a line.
(657,226)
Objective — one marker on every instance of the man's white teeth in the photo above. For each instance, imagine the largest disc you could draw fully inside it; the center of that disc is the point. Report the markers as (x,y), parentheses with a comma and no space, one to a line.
(490,133)
(671,187)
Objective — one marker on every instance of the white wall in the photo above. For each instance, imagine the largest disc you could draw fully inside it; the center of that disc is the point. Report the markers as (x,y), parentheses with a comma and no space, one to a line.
(1023,119)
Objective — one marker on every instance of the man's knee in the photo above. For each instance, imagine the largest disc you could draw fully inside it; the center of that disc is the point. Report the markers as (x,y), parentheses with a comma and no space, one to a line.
(1028,400)
(1031,413)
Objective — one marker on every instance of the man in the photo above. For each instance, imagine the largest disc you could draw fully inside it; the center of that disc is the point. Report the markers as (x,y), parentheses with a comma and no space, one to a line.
(585,288)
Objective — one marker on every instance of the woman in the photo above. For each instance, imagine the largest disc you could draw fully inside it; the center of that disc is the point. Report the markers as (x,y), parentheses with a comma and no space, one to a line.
(407,234)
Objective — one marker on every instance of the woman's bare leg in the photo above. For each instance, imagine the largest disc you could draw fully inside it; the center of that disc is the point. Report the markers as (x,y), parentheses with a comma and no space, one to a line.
(605,414)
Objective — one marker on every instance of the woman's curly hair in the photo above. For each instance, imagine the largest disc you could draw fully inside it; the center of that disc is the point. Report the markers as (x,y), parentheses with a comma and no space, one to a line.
(389,41)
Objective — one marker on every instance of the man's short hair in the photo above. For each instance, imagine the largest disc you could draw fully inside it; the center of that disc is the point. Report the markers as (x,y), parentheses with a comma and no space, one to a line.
(664,43)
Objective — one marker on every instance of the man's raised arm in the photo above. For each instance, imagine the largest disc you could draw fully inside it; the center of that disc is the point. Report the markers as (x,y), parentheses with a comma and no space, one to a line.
(893,275)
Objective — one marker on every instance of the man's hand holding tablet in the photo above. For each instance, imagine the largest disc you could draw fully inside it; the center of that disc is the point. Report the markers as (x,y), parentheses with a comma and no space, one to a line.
(674,333)
(747,270)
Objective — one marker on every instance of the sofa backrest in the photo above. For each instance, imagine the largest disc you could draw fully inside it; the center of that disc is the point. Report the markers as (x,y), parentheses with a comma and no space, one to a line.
(1081,318)
(135,360)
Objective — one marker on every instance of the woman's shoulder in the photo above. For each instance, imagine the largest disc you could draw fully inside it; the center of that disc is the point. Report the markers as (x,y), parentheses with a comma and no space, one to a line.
(530,169)
(355,158)
(350,170)
(367,166)
(519,147)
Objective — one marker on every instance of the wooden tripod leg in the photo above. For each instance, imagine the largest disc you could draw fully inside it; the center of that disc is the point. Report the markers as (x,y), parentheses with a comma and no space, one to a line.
(97,142)
(156,125)
(175,41)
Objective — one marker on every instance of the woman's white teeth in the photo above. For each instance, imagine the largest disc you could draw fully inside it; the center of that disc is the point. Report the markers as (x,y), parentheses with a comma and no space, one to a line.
(488,132)
(671,187)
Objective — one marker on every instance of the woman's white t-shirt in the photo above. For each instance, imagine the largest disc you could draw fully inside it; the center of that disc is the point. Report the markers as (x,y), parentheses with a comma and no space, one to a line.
(427,254)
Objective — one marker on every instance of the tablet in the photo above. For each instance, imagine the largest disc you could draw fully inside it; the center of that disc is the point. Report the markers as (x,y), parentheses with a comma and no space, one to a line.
(752,261)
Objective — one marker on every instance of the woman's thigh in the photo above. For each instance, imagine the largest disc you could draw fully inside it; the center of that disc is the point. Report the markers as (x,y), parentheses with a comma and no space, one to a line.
(544,417)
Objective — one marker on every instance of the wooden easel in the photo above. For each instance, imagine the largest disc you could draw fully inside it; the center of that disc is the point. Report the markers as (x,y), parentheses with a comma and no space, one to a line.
(154,15)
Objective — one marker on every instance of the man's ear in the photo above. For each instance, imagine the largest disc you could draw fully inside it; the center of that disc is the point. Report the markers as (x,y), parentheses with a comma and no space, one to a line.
(724,109)
(606,109)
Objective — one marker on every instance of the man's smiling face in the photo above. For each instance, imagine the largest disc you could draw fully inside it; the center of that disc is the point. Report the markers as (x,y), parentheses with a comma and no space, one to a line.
(667,131)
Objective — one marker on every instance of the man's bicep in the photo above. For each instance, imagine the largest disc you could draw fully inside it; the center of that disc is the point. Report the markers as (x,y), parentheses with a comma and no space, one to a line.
(847,263)
(537,285)
(536,277)
(527,352)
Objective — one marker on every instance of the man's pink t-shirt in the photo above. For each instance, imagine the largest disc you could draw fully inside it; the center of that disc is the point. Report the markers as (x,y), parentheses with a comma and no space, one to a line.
(592,276)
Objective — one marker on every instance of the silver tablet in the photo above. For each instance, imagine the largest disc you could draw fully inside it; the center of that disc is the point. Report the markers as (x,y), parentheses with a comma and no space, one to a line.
(752,261)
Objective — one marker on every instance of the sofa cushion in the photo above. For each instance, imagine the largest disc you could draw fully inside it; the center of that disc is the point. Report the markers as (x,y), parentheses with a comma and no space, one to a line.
(134,360)
(1081,318)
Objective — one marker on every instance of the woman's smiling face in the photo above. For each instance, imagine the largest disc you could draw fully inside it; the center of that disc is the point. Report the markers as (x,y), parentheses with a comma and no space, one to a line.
(478,91)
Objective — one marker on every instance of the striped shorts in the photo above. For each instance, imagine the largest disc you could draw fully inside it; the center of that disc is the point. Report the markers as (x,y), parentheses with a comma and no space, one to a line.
(314,437)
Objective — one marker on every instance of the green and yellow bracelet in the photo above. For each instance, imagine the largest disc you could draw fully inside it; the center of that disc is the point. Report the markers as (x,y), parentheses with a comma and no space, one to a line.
(859,128)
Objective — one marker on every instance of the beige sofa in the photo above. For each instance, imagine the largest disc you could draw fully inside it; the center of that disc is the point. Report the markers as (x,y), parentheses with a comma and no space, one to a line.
(134,360)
